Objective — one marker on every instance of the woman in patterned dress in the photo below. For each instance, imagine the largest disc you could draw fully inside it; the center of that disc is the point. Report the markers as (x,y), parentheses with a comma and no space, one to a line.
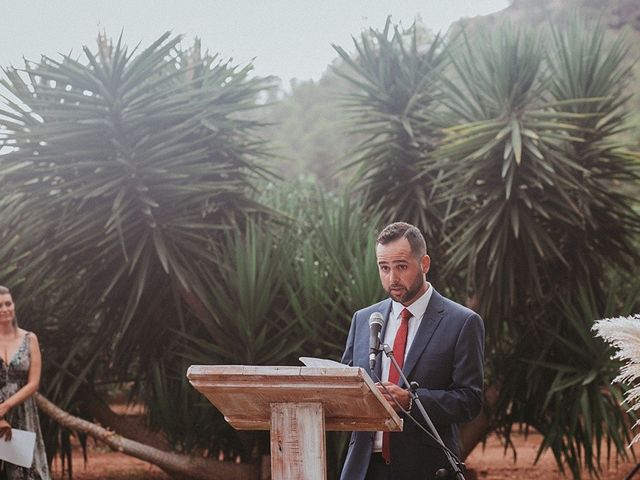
(20,366)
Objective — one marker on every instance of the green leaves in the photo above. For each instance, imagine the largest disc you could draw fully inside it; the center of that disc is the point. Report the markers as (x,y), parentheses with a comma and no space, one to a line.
(536,177)
(133,209)
(397,80)
(509,158)
(136,160)
(279,290)
(568,395)
(125,170)
(526,165)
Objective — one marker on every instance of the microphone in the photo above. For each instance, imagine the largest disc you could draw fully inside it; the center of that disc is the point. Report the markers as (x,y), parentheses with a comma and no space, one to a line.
(375,325)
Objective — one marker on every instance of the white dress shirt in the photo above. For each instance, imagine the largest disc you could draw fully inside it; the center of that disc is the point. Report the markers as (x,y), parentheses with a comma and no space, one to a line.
(417,310)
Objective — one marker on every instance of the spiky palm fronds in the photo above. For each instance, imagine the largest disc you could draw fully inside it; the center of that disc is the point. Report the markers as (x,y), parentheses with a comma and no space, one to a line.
(125,168)
(534,167)
(396,78)
(557,377)
(537,178)
(124,171)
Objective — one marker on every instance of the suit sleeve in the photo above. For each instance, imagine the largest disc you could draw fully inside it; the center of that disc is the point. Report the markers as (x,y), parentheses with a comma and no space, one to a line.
(462,399)
(347,356)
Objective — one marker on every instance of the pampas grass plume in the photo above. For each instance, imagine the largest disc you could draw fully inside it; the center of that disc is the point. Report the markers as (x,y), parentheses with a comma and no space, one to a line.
(624,334)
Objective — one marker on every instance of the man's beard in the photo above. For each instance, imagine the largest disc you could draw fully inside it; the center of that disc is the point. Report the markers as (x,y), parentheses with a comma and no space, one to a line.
(410,293)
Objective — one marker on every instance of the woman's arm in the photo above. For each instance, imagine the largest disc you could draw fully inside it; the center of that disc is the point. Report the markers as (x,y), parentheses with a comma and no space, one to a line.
(33,381)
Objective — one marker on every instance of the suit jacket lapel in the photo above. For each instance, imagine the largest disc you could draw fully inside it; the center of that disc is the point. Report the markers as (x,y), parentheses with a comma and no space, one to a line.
(430,321)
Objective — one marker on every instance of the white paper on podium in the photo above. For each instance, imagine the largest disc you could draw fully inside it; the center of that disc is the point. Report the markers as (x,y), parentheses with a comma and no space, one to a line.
(19,450)
(321,362)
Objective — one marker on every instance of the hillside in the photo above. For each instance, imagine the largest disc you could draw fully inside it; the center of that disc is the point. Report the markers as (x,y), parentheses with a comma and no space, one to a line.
(617,14)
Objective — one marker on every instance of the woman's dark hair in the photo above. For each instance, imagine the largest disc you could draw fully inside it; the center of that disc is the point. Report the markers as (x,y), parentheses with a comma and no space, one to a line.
(5,291)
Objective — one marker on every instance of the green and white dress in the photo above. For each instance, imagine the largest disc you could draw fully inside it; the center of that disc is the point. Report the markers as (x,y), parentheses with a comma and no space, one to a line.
(24,416)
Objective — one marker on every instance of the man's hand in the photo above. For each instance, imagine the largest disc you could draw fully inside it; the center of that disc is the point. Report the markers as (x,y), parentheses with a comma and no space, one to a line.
(5,430)
(393,391)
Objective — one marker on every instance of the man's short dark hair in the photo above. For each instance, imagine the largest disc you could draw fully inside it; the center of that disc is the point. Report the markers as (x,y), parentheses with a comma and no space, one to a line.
(398,230)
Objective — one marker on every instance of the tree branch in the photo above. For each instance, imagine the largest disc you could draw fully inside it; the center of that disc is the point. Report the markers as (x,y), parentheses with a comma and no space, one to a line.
(177,465)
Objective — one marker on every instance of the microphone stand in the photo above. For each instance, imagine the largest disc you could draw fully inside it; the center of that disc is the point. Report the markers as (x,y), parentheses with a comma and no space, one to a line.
(413,386)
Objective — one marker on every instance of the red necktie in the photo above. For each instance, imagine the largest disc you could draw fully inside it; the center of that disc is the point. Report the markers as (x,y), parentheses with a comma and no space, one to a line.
(399,347)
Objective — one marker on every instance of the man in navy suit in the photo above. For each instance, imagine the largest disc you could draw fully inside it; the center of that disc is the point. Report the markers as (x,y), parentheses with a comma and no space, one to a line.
(443,346)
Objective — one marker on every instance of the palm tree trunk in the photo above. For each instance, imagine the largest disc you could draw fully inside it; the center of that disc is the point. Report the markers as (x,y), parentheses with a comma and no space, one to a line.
(473,432)
(183,467)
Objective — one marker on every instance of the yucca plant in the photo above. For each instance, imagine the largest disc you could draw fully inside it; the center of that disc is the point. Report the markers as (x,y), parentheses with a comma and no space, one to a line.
(128,167)
(252,322)
(586,66)
(528,161)
(396,74)
(568,395)
(536,178)
(535,174)
(337,270)
(125,170)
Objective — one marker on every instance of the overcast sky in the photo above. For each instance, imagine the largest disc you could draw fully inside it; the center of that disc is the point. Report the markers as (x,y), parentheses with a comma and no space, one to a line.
(287,38)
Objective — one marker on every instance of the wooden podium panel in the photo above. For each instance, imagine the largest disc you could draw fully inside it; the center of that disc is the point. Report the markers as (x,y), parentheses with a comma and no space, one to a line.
(245,394)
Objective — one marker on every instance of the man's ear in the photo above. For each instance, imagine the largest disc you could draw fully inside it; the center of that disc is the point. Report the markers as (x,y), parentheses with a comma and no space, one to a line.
(425,263)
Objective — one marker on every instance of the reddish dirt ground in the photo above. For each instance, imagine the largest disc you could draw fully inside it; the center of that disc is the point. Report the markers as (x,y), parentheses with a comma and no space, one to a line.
(489,463)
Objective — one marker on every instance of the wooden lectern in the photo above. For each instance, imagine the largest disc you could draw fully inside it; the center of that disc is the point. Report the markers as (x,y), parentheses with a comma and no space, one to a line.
(298,404)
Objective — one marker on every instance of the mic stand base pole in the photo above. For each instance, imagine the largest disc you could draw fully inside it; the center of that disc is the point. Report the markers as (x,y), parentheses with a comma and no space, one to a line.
(413,386)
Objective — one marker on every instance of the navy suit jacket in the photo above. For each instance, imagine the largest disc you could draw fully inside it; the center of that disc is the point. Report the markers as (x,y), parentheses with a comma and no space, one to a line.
(446,359)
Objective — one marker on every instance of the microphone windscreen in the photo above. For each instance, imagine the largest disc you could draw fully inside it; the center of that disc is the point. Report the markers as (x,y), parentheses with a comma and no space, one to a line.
(376,318)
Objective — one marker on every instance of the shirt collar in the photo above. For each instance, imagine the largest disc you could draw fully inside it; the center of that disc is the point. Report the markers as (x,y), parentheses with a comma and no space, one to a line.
(417,308)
